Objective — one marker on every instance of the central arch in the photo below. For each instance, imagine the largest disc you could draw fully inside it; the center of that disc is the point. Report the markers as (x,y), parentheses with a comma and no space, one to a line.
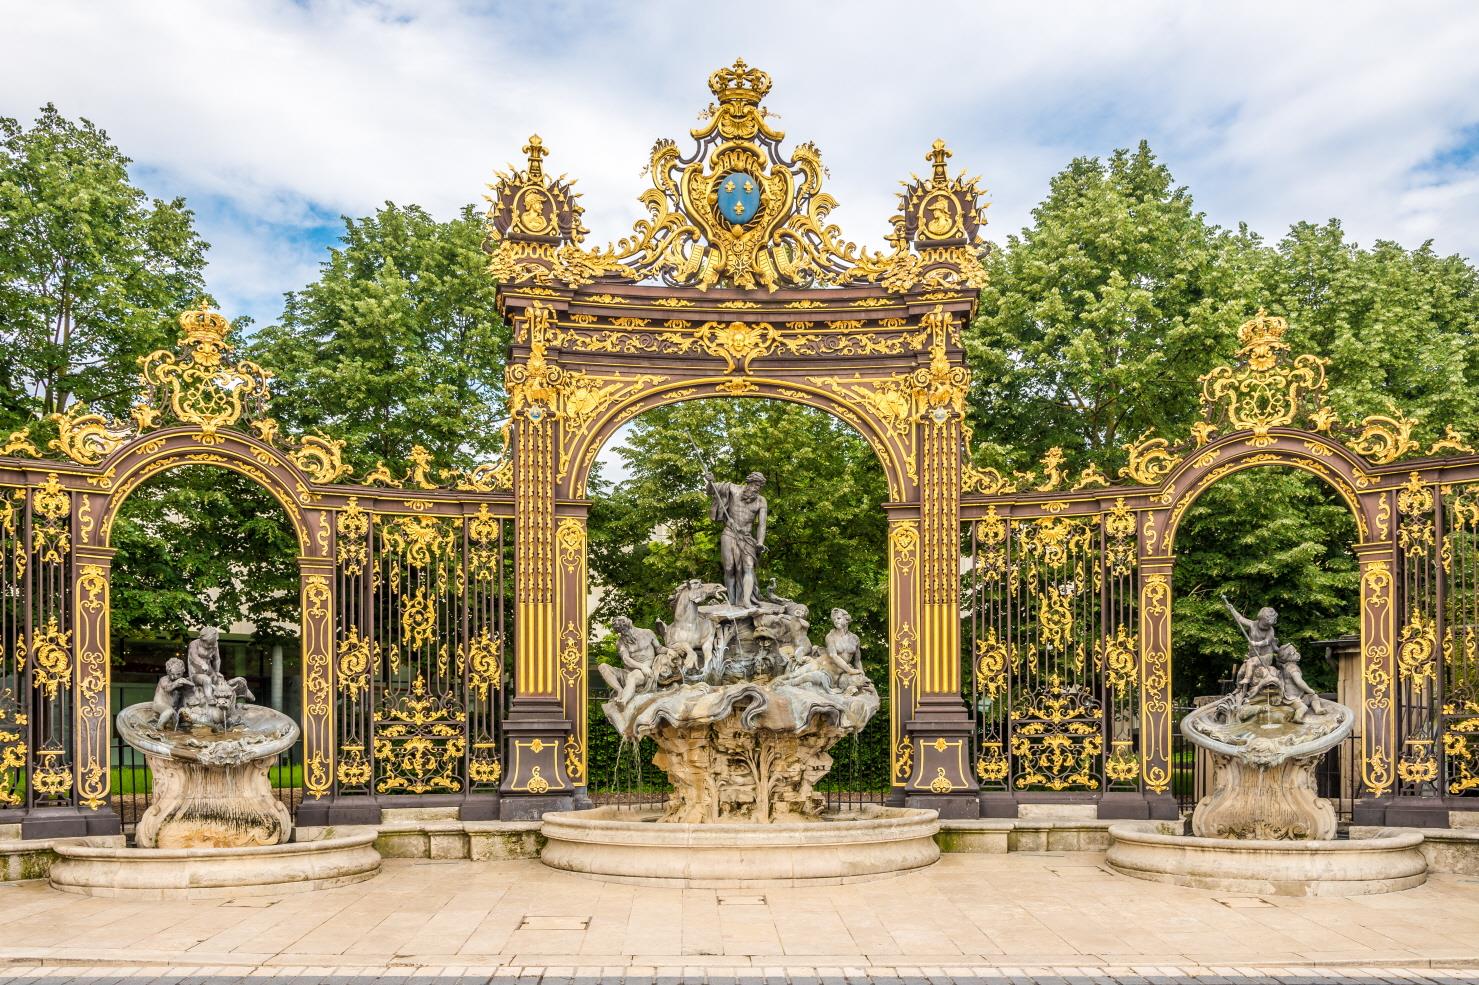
(885,447)
(586,360)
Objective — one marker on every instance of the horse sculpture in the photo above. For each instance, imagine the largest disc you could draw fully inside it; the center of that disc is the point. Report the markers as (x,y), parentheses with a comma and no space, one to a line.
(691,634)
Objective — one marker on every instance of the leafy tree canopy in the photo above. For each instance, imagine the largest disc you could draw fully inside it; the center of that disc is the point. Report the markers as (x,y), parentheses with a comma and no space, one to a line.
(203,546)
(92,271)
(397,343)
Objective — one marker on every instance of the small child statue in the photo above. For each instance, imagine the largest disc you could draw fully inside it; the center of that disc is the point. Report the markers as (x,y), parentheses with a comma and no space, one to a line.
(169,693)
(1296,691)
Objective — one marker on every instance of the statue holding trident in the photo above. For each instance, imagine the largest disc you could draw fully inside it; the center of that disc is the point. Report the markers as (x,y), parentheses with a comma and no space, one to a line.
(742,510)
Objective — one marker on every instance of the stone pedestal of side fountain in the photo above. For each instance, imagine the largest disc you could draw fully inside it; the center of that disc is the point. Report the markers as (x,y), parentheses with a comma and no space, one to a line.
(743,739)
(1264,829)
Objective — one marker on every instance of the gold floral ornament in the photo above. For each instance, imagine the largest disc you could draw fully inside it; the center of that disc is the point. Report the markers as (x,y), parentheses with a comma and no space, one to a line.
(50,653)
(535,230)
(200,385)
(936,233)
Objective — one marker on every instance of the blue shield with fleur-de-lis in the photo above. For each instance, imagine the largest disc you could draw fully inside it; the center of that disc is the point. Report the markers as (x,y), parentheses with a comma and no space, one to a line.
(738,198)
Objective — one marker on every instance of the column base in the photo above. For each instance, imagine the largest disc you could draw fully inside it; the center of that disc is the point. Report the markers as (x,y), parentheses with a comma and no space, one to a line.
(534,778)
(70,822)
(1138,806)
(940,734)
(953,807)
(337,811)
(532,808)
(1401,812)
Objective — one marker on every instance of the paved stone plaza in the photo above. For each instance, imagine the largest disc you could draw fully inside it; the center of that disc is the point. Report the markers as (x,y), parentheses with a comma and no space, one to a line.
(1040,916)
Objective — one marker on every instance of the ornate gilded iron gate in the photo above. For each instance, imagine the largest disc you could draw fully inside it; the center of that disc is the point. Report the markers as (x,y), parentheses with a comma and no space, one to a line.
(1068,594)
(1051,612)
(421,592)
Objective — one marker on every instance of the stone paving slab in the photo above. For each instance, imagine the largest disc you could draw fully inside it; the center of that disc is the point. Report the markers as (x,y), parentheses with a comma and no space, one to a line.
(1021,917)
(84,974)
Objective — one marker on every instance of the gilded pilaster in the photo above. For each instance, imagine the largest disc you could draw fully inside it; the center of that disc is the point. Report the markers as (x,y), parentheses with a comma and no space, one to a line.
(92,725)
(1378,668)
(1155,673)
(570,542)
(316,640)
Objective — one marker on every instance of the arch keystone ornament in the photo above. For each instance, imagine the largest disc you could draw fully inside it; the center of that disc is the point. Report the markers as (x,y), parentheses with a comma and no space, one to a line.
(735,284)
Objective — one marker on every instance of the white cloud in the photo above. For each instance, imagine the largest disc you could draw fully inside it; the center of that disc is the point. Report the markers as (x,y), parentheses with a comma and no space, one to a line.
(281,112)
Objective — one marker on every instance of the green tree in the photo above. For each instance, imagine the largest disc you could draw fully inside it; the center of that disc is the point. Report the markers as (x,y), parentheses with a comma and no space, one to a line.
(92,271)
(397,343)
(1098,318)
(1264,536)
(1400,327)
(203,546)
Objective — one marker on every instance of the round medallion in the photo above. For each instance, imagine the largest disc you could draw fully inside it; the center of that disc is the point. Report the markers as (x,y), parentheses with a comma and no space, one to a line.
(738,197)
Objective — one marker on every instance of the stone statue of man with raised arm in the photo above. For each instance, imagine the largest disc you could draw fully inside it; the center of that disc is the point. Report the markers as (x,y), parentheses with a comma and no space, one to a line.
(742,510)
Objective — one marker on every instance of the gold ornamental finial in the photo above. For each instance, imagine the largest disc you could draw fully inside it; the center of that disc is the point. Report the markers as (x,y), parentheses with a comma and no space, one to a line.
(204,332)
(937,156)
(739,83)
(536,151)
(1260,337)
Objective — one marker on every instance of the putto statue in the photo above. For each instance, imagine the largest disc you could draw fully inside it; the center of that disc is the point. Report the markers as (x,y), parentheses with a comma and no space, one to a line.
(203,696)
(209,749)
(742,704)
(1266,736)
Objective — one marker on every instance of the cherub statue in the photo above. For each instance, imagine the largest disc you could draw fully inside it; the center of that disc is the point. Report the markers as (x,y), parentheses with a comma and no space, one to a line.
(170,693)
(1296,691)
(1263,643)
(643,660)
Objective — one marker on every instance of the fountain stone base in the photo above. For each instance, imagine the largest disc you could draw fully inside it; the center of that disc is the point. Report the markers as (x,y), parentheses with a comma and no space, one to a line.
(615,845)
(198,806)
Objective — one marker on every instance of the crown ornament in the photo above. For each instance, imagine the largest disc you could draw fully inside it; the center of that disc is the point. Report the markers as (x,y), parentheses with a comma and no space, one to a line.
(1261,338)
(204,331)
(739,83)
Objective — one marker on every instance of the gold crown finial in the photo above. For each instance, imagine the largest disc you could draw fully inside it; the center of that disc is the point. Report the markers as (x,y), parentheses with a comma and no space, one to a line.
(536,150)
(739,83)
(1262,329)
(204,332)
(937,156)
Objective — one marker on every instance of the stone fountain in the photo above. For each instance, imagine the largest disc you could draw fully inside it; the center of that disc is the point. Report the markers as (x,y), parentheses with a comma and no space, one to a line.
(214,825)
(743,707)
(1264,828)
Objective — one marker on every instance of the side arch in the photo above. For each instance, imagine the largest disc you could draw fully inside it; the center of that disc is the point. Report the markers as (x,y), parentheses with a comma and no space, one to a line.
(1314,454)
(139,461)
(889,446)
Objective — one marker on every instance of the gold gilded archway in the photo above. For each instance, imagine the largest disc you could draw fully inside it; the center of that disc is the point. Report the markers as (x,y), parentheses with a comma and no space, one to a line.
(735,285)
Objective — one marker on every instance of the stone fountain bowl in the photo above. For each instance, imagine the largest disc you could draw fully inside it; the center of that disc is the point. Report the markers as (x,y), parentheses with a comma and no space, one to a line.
(615,845)
(262,733)
(211,789)
(1270,742)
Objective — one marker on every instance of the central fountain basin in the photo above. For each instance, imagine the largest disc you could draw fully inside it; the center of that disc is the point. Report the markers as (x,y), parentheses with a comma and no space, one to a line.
(615,845)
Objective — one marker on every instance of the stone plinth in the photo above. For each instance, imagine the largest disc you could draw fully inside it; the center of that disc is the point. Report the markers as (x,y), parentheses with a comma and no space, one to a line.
(1271,868)
(183,873)
(633,847)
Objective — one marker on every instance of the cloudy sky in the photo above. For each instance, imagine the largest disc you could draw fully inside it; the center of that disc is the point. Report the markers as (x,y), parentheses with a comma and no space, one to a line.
(274,118)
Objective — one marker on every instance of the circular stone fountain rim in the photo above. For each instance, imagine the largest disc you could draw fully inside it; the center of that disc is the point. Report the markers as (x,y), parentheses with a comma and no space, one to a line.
(594,822)
(185,753)
(1387,841)
(1312,747)
(82,850)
